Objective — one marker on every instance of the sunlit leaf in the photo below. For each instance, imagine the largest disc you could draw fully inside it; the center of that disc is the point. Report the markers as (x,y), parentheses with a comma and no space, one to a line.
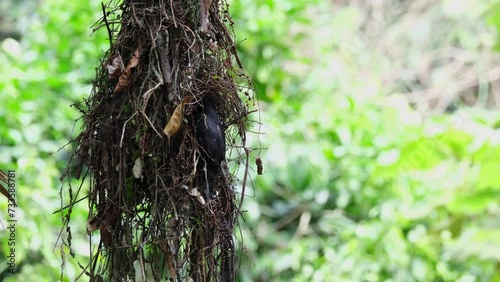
(175,121)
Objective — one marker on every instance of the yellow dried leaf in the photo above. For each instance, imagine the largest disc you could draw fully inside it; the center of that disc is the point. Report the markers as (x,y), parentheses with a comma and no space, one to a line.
(175,120)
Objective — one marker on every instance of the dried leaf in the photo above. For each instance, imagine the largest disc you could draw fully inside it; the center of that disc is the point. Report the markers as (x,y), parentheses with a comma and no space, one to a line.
(122,82)
(137,169)
(93,224)
(125,76)
(116,68)
(201,200)
(194,192)
(105,235)
(175,120)
(258,162)
(134,61)
(106,226)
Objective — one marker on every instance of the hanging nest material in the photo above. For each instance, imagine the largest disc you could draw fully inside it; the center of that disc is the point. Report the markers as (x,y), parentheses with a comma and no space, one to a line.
(140,150)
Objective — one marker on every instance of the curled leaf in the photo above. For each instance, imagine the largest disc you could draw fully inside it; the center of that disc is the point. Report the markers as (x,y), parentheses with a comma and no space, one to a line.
(195,193)
(93,224)
(125,75)
(116,68)
(175,121)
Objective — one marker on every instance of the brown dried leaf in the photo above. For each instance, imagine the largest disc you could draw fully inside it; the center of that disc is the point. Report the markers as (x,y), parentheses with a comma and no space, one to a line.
(175,121)
(134,61)
(106,227)
(93,224)
(122,82)
(116,68)
(258,162)
(125,76)
(105,235)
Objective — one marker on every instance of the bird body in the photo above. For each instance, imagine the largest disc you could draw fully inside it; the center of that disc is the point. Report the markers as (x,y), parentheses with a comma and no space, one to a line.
(212,144)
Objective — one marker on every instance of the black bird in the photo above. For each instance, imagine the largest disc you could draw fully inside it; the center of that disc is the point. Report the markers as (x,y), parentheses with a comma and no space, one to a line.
(212,143)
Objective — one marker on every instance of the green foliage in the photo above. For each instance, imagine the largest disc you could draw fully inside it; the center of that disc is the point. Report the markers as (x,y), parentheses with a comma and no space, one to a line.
(42,75)
(493,18)
(358,186)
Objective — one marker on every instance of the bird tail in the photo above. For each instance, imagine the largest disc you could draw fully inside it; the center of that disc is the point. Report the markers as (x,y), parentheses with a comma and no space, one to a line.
(210,185)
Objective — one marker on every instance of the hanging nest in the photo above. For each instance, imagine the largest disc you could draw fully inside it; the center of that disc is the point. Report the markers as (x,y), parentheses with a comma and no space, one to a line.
(142,150)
